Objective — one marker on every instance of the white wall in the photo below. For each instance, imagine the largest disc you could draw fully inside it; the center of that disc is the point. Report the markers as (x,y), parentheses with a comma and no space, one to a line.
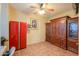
(0,24)
(4,20)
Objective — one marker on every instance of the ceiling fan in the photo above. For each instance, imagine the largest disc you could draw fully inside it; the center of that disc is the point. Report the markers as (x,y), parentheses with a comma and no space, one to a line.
(76,7)
(43,7)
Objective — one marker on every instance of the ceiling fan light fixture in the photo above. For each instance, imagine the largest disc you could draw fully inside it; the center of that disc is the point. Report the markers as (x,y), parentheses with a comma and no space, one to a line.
(41,12)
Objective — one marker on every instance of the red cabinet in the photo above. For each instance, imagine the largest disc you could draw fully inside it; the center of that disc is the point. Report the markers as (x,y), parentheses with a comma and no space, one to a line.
(13,34)
(23,28)
(17,34)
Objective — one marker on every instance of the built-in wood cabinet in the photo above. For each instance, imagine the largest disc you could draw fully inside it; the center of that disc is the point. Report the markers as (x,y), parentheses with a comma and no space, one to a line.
(72,36)
(57,33)
(48,33)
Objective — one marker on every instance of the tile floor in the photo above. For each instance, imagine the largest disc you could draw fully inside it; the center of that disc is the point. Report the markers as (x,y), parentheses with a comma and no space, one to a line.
(43,49)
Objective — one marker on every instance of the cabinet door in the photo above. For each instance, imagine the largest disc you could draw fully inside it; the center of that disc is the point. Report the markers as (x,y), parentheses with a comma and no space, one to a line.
(62,35)
(23,35)
(57,30)
(48,32)
(13,34)
(53,35)
(72,35)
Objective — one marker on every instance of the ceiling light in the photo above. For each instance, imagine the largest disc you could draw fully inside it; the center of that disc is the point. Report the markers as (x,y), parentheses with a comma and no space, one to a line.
(41,12)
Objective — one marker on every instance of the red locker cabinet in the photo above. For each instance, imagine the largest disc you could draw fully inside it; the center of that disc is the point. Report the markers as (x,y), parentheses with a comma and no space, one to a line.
(13,34)
(18,34)
(23,31)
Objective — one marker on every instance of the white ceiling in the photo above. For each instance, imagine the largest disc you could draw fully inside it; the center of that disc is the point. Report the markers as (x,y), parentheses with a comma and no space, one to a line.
(58,7)
(25,7)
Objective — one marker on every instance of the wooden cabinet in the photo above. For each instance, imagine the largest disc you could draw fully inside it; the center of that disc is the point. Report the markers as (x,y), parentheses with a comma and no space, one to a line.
(53,34)
(72,42)
(63,32)
(57,40)
(48,33)
(58,32)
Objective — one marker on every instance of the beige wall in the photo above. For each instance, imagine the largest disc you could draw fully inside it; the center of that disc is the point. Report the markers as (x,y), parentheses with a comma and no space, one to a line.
(66,13)
(34,35)
(37,35)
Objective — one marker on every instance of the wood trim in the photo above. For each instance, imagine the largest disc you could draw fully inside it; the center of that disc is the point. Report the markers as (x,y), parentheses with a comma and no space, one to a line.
(78,35)
(60,18)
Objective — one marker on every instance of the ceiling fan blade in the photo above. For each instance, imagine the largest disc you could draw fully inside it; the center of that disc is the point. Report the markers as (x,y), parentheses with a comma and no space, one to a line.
(50,9)
(44,5)
(77,8)
(33,6)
